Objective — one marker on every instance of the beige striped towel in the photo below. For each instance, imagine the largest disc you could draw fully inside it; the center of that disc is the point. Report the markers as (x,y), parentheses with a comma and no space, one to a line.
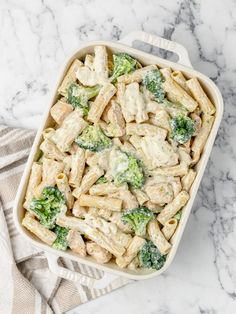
(26,284)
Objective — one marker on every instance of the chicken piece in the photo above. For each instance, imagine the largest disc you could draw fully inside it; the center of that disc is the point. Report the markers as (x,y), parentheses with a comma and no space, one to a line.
(76,243)
(161,193)
(101,255)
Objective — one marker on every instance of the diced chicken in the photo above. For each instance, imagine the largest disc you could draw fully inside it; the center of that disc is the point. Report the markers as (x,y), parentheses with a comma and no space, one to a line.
(76,242)
(98,253)
(161,193)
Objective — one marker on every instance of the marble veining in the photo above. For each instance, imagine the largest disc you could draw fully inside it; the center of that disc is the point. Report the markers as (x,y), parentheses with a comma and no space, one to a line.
(35,38)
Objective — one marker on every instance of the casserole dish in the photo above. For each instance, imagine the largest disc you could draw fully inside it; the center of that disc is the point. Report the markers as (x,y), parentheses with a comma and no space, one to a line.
(184,65)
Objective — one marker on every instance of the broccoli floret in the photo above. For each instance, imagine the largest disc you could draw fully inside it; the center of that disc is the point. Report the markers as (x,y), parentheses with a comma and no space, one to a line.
(102,180)
(126,168)
(123,64)
(78,96)
(93,138)
(61,242)
(47,208)
(182,128)
(153,82)
(138,219)
(178,215)
(150,257)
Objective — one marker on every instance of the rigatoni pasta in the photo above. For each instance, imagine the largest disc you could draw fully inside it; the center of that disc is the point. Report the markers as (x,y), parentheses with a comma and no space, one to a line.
(118,160)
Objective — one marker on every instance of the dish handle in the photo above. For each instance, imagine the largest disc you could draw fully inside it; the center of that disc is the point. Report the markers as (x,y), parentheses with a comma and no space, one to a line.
(159,42)
(77,277)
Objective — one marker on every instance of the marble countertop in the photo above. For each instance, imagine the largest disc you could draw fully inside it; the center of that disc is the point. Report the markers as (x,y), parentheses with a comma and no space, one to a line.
(35,38)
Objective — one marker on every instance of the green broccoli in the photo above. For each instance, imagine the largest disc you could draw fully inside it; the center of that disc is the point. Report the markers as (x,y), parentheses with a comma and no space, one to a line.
(138,218)
(102,180)
(182,128)
(93,138)
(153,82)
(150,257)
(78,96)
(61,242)
(178,215)
(128,169)
(123,64)
(47,208)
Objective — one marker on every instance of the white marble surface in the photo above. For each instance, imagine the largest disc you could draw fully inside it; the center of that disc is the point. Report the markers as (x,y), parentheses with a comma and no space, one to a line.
(35,38)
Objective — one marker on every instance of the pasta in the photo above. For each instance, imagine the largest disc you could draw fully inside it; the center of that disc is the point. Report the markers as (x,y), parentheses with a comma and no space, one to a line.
(117,160)
(63,186)
(173,207)
(36,228)
(103,98)
(169,228)
(34,181)
(158,238)
(101,202)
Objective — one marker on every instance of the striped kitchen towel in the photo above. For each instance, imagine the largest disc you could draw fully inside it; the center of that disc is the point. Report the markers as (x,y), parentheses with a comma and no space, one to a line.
(26,284)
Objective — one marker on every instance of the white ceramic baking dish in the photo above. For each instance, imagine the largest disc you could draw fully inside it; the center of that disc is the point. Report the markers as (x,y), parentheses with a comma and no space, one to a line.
(111,271)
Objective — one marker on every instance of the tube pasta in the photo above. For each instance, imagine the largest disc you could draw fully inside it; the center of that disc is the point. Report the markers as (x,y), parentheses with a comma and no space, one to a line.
(50,170)
(101,202)
(63,186)
(157,237)
(88,180)
(132,250)
(71,127)
(166,72)
(51,151)
(141,196)
(169,228)
(40,231)
(103,189)
(77,167)
(188,179)
(101,101)
(70,77)
(198,93)
(79,211)
(47,133)
(179,78)
(145,129)
(67,164)
(136,76)
(172,208)
(177,94)
(34,181)
(200,140)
